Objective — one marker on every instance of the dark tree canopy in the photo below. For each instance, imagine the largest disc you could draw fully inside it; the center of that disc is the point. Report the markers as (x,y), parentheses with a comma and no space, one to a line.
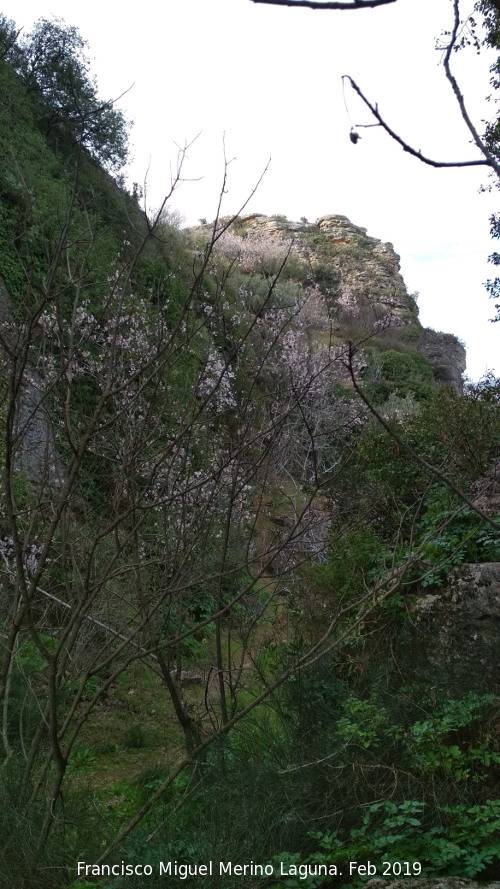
(53,62)
(8,36)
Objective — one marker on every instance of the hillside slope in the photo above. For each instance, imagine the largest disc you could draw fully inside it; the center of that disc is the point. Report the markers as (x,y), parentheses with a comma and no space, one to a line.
(242,497)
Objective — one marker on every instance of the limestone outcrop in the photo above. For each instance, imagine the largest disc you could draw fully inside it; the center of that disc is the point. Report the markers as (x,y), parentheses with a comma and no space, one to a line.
(35,451)
(360,278)
(447,356)
(457,628)
(486,492)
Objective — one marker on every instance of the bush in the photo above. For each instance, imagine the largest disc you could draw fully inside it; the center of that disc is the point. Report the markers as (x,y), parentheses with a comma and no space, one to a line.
(399,373)
(429,834)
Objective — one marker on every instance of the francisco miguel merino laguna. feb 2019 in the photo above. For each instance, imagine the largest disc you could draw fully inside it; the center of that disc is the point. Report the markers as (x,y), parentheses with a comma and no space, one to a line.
(223,868)
(250,869)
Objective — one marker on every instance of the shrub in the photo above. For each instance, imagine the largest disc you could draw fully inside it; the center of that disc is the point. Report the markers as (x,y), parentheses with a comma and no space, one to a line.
(399,373)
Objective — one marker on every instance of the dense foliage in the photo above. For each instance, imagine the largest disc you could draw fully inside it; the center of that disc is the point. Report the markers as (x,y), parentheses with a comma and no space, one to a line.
(52,62)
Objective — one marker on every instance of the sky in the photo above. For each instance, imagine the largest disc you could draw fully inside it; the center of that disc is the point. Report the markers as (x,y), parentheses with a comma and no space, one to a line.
(258,89)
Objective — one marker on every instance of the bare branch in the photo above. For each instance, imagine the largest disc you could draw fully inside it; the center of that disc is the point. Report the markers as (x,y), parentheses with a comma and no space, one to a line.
(408,148)
(490,159)
(330,4)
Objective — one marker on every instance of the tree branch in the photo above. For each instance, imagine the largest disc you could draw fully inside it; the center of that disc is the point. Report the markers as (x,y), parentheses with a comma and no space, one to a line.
(331,4)
(405,146)
(490,159)
(10,44)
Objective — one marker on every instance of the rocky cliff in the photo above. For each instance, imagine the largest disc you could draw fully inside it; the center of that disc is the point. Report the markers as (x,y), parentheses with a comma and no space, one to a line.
(456,631)
(360,277)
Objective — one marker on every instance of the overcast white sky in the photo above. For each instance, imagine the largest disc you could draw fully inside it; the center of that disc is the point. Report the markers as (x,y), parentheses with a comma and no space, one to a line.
(268,81)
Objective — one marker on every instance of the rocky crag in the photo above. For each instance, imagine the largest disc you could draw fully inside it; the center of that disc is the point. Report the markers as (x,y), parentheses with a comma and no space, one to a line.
(365,296)
(361,280)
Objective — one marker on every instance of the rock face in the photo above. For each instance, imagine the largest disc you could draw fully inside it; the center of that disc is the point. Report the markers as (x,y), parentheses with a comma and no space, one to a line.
(360,278)
(369,270)
(364,271)
(36,453)
(447,356)
(486,492)
(457,630)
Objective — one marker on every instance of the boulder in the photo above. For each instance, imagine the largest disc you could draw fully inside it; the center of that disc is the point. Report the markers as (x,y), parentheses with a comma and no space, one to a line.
(456,631)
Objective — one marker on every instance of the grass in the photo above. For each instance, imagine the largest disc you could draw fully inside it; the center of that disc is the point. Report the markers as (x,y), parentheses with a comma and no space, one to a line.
(133,727)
